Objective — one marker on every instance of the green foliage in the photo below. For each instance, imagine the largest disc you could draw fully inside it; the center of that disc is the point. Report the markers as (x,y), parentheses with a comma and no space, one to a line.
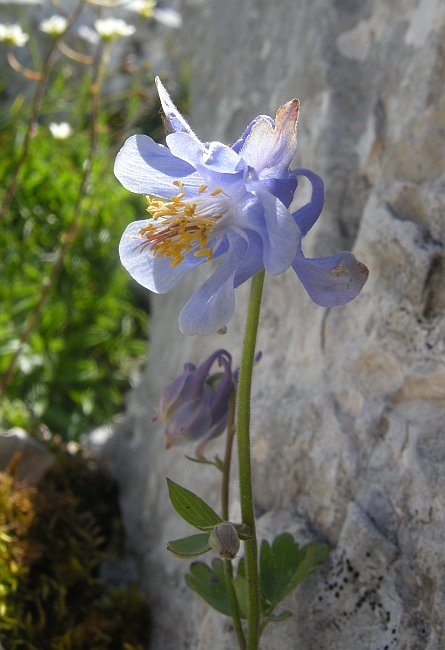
(189,547)
(283,565)
(50,549)
(89,340)
(192,508)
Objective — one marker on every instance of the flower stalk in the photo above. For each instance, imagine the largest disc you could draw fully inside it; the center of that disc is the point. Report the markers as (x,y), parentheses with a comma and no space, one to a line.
(245,471)
(225,485)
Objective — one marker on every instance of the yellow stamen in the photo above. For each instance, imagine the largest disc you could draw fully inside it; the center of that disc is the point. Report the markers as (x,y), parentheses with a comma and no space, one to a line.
(181,226)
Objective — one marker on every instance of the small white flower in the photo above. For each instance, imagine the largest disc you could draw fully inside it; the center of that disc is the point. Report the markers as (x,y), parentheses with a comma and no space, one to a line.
(60,131)
(89,35)
(111,28)
(148,9)
(168,17)
(13,35)
(55,25)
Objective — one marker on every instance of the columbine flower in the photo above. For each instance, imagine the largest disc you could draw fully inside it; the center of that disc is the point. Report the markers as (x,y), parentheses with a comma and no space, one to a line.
(55,25)
(112,28)
(195,405)
(13,35)
(60,131)
(225,202)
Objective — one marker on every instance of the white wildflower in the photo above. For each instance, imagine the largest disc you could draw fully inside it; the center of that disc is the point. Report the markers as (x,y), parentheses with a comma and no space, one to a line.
(60,131)
(168,17)
(55,25)
(13,35)
(111,28)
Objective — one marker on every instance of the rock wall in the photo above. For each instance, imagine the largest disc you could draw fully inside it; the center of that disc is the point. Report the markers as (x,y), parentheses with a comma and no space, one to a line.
(349,403)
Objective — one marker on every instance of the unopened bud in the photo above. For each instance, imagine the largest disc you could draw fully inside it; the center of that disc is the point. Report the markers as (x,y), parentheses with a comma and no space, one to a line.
(224,540)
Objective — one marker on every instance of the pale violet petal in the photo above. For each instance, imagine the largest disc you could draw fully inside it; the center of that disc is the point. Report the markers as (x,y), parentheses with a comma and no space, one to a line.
(172,115)
(239,143)
(252,262)
(154,274)
(308,214)
(331,281)
(268,149)
(213,157)
(145,167)
(282,237)
(213,304)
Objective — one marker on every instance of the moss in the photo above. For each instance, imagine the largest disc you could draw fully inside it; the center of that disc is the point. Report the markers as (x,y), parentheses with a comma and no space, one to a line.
(51,545)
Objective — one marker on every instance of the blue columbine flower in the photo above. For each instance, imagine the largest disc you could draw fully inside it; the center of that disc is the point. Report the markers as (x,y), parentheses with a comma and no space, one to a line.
(208,200)
(195,405)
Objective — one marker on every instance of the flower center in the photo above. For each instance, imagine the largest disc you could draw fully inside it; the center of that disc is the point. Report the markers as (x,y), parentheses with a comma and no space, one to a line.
(184,226)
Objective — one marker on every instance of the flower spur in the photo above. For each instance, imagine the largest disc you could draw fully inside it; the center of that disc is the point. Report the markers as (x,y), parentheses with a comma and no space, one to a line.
(209,201)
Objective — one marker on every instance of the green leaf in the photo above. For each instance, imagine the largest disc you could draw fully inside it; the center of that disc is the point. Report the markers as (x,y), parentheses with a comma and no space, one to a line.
(210,584)
(189,547)
(284,565)
(271,618)
(192,508)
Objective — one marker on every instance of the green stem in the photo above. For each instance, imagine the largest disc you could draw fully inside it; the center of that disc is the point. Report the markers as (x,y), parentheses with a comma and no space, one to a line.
(245,472)
(228,569)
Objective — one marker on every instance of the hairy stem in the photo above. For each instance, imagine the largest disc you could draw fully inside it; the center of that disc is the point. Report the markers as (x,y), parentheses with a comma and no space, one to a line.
(245,471)
(228,569)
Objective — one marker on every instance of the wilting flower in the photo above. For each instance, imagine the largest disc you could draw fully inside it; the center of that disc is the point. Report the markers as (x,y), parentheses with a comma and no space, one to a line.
(111,28)
(195,405)
(55,25)
(13,35)
(60,131)
(216,201)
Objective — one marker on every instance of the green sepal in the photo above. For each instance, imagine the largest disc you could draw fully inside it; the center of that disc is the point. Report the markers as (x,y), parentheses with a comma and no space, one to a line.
(283,565)
(210,584)
(189,547)
(192,508)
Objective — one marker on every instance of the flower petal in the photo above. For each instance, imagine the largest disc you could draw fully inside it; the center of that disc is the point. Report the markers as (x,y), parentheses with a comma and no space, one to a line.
(282,188)
(240,142)
(172,115)
(213,157)
(145,167)
(269,149)
(282,236)
(154,273)
(213,304)
(308,214)
(331,281)
(252,261)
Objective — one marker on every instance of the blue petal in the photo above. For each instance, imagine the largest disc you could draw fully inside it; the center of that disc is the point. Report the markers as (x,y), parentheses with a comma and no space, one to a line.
(145,167)
(212,306)
(331,281)
(307,215)
(282,237)
(283,188)
(154,273)
(252,261)
(173,116)
(214,157)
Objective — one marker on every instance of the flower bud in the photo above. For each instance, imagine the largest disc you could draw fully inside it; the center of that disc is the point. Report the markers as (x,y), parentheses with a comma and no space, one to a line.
(224,540)
(195,405)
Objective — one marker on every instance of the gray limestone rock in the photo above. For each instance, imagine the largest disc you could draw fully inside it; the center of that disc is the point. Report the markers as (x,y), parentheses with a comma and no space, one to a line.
(348,403)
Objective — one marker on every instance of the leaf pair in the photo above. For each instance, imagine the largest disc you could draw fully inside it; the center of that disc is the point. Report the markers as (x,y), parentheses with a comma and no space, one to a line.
(283,565)
(195,512)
